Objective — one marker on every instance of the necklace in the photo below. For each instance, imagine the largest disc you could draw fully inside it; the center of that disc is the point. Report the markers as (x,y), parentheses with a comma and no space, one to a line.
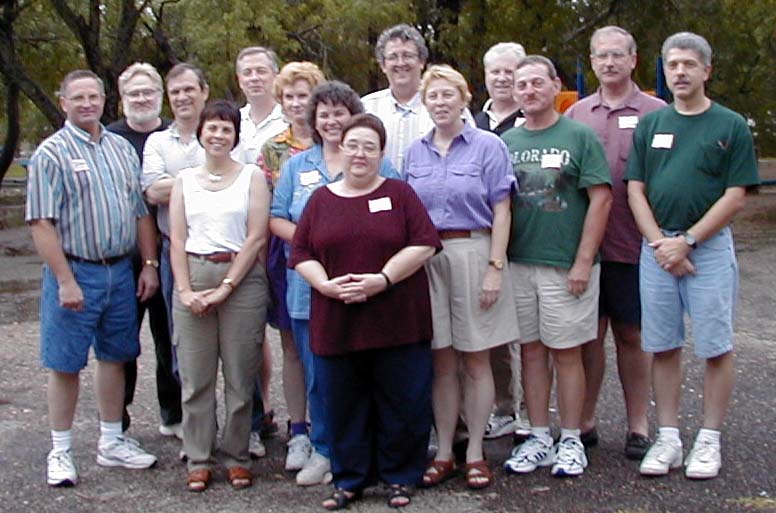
(214,177)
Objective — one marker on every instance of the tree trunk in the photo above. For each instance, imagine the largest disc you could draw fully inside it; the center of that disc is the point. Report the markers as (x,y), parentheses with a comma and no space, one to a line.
(13,130)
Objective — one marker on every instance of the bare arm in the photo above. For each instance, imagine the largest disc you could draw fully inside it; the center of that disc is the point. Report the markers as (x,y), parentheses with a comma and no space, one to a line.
(399,267)
(158,193)
(592,234)
(194,301)
(282,228)
(49,247)
(148,281)
(491,284)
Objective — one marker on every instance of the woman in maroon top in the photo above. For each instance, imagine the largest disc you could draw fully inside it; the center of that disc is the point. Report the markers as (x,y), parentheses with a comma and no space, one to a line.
(361,243)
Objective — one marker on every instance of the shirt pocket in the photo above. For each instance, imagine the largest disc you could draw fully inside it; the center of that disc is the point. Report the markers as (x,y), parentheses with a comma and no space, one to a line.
(712,159)
(420,172)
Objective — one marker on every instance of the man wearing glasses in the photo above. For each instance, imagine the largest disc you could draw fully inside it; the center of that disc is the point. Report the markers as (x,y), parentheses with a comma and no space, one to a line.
(402,53)
(140,87)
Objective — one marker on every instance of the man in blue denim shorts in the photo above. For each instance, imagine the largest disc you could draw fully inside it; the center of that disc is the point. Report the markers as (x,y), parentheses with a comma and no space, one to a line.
(86,212)
(688,173)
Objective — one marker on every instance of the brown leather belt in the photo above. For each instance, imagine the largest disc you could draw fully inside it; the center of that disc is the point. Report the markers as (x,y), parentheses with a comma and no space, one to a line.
(454,234)
(101,261)
(219,258)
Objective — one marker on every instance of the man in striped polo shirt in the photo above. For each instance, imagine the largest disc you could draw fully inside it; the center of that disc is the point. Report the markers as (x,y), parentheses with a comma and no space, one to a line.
(86,212)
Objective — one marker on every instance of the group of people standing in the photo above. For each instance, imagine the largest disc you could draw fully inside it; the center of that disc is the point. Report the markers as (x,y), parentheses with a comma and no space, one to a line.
(424,267)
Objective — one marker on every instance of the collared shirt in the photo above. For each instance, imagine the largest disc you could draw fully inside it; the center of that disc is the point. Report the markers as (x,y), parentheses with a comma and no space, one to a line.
(89,189)
(253,135)
(614,127)
(404,124)
(164,156)
(276,152)
(488,120)
(459,190)
(300,177)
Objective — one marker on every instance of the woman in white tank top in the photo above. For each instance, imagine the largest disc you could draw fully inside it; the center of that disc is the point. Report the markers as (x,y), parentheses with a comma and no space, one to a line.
(218,236)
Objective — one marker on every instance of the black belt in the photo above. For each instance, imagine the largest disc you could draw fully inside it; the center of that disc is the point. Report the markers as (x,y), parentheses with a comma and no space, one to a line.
(102,261)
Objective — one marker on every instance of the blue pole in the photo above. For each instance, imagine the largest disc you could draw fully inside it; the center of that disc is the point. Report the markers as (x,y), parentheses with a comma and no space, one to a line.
(580,78)
(660,79)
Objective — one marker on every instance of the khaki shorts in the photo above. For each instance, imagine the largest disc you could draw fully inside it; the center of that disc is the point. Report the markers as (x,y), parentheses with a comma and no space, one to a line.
(455,279)
(547,311)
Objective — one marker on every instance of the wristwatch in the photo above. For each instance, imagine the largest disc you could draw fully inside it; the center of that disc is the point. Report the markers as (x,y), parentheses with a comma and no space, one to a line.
(152,262)
(496,263)
(690,240)
(228,282)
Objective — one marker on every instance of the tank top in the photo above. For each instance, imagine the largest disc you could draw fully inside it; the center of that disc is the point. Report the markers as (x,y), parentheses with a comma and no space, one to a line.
(216,220)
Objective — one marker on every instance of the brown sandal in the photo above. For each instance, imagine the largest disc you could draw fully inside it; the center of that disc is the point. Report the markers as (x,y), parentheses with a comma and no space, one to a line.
(198,480)
(438,472)
(478,475)
(240,477)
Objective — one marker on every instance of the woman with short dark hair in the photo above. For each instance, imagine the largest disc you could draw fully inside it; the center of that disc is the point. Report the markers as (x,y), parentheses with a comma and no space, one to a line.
(218,235)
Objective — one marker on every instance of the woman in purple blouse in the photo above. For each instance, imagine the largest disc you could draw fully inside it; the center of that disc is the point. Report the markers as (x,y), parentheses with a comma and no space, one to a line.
(464,178)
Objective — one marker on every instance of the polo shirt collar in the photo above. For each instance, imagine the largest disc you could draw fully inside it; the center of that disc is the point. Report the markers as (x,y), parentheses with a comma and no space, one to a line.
(81,134)
(631,101)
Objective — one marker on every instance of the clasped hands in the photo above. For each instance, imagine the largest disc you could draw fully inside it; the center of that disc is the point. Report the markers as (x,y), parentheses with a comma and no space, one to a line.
(671,253)
(353,288)
(202,302)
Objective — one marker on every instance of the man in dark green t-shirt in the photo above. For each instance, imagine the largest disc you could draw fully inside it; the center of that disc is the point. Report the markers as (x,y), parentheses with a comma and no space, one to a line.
(688,172)
(558,222)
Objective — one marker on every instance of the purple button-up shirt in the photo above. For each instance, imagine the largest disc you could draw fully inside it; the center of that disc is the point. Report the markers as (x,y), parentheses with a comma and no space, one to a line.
(615,126)
(460,189)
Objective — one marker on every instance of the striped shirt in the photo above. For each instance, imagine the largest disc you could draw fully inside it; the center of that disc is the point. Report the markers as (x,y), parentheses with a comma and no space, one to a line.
(404,124)
(89,189)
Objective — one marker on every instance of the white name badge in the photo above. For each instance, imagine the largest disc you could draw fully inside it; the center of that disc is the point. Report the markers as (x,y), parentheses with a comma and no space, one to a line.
(626,122)
(309,178)
(552,161)
(380,205)
(79,165)
(665,141)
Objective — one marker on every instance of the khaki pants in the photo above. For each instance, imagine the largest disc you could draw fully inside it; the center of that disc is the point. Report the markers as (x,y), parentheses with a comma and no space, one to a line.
(233,333)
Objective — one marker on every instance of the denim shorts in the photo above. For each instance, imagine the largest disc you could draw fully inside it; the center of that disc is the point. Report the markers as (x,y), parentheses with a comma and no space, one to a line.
(107,321)
(708,297)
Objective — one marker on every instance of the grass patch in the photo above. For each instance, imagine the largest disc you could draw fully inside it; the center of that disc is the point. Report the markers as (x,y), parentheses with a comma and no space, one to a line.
(16,171)
(755,503)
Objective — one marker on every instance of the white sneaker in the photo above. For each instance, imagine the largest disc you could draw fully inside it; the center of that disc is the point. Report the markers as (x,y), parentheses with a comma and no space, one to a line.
(256,446)
(317,470)
(61,469)
(500,425)
(124,452)
(299,451)
(529,455)
(664,455)
(175,430)
(570,458)
(704,460)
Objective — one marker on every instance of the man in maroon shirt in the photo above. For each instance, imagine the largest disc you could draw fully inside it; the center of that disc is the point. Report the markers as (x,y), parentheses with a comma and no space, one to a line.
(613,112)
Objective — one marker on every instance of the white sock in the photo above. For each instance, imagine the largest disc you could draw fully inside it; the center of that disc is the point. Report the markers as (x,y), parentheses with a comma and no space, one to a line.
(62,440)
(542,433)
(711,435)
(569,433)
(109,432)
(669,433)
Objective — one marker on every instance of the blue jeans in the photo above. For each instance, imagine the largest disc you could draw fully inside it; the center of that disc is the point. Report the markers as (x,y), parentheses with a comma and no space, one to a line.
(315,399)
(106,322)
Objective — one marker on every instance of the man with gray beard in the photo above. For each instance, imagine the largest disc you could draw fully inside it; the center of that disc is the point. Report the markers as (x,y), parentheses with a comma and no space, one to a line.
(141,89)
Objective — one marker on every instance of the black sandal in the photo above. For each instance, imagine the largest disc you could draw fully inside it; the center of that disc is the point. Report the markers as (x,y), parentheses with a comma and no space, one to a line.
(397,492)
(341,499)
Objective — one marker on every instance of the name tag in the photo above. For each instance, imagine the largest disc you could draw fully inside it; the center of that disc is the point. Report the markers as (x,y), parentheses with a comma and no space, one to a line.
(79,165)
(380,205)
(309,178)
(552,161)
(663,141)
(626,122)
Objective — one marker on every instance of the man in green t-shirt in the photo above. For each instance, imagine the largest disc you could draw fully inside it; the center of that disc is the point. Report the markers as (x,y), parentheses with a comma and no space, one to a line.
(558,221)
(688,172)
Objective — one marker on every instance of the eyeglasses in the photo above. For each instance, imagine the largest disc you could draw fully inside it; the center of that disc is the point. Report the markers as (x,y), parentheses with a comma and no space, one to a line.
(351,148)
(81,98)
(406,57)
(616,56)
(137,94)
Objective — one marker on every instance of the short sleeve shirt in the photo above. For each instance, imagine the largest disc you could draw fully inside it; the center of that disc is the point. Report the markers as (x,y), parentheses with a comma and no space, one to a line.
(687,162)
(614,127)
(359,235)
(554,167)
(460,189)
